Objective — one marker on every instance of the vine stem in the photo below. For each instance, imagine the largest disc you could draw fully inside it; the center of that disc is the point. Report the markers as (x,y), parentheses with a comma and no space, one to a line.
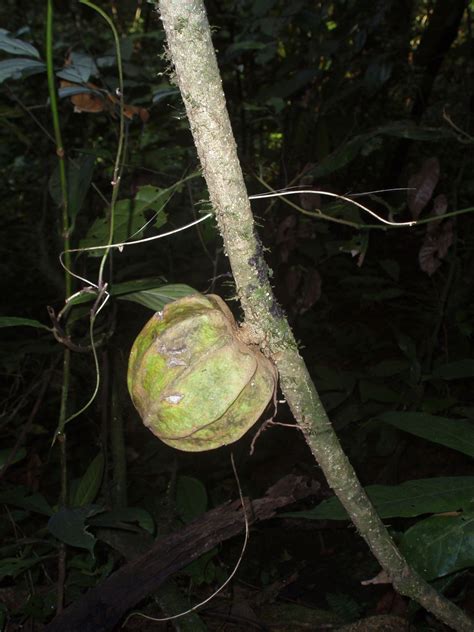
(66,369)
(196,72)
(118,164)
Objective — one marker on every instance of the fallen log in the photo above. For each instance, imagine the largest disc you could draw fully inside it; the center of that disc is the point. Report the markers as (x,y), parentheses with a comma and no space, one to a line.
(102,607)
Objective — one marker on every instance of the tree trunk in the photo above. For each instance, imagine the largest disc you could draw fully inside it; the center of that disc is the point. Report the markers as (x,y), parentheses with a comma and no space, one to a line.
(196,72)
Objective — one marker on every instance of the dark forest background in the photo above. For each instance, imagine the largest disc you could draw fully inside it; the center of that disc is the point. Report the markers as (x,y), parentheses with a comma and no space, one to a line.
(372,100)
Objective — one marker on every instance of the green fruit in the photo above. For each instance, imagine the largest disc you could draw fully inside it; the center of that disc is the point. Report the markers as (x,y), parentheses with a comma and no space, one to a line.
(195,383)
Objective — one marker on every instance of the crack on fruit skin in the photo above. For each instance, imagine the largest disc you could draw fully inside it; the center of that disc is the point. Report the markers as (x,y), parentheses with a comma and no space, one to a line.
(175,362)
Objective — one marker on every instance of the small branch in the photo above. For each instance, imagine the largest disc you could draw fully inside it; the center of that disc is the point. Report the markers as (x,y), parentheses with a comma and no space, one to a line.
(65,339)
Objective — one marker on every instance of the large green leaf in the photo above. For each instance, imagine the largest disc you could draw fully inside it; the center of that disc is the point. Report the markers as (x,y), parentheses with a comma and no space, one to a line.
(137,285)
(412,498)
(14,321)
(16,46)
(340,157)
(19,67)
(440,545)
(118,289)
(152,293)
(79,69)
(15,566)
(129,218)
(69,526)
(408,129)
(157,298)
(21,497)
(117,518)
(346,153)
(79,176)
(457,434)
(89,484)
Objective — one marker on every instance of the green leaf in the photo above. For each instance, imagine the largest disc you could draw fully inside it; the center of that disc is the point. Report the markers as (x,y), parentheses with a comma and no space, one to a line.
(129,218)
(15,46)
(191,498)
(89,484)
(150,197)
(15,566)
(408,129)
(340,157)
(346,153)
(137,285)
(69,526)
(79,177)
(157,298)
(20,497)
(457,434)
(80,68)
(117,517)
(440,545)
(5,453)
(66,93)
(19,67)
(412,498)
(13,321)
(455,370)
(119,289)
(377,392)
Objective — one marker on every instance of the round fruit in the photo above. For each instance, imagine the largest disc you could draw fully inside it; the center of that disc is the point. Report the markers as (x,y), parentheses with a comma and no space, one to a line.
(195,383)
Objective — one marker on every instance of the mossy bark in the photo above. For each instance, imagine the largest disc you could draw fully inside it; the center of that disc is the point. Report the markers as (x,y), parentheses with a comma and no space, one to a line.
(196,72)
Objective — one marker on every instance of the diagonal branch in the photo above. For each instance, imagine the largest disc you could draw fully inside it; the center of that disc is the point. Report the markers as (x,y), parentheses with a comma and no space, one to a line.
(197,75)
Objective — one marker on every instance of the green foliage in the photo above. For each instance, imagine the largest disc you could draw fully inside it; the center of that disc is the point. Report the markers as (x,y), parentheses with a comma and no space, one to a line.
(14,321)
(453,433)
(440,545)
(89,485)
(69,526)
(408,500)
(129,219)
(19,496)
(16,46)
(79,178)
(154,298)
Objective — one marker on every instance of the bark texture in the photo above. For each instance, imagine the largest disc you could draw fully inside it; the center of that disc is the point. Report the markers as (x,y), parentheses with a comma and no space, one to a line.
(196,73)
